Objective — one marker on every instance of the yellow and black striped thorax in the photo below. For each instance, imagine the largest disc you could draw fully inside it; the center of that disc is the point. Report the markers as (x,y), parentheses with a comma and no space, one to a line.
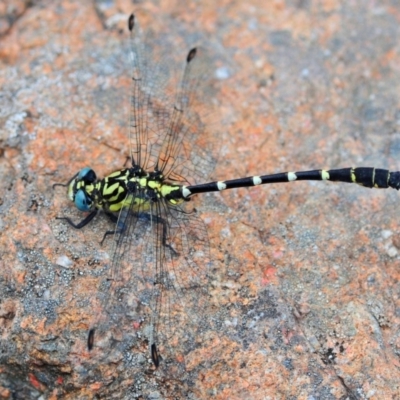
(123,188)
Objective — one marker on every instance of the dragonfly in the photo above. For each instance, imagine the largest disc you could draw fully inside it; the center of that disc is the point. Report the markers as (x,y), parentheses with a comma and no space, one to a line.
(161,258)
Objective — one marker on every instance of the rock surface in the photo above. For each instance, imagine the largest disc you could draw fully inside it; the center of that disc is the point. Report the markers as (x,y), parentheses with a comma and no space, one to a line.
(305,279)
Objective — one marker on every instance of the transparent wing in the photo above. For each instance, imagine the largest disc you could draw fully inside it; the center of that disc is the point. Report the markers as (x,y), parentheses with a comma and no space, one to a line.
(169,105)
(159,279)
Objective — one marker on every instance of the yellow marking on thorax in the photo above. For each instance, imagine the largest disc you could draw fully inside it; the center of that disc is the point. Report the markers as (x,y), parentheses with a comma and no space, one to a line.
(154,185)
(108,189)
(142,182)
(138,204)
(166,189)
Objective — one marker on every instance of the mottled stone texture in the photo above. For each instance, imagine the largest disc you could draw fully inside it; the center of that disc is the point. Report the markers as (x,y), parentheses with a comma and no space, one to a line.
(305,281)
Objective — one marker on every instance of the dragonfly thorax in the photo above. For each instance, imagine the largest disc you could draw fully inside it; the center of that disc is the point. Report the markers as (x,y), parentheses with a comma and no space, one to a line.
(123,188)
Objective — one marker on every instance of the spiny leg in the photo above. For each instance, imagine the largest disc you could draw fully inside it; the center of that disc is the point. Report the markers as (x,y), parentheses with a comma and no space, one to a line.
(82,223)
(121,228)
(113,219)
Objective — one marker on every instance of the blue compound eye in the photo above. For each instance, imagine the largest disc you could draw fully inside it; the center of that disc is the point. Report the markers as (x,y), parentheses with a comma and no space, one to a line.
(83,202)
(87,175)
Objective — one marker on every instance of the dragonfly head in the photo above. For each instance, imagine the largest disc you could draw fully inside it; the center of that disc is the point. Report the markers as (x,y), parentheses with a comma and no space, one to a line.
(80,189)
